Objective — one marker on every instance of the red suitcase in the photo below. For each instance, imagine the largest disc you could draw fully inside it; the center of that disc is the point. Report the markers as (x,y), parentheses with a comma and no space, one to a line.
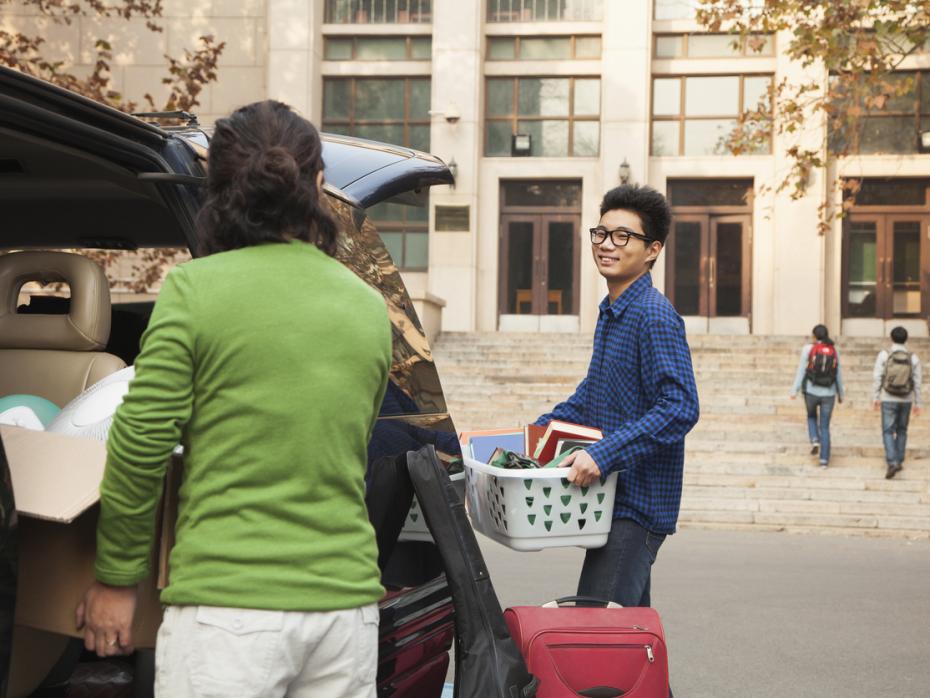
(603,652)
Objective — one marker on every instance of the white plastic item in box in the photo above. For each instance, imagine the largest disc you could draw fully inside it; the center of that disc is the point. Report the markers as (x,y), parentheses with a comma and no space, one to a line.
(415,527)
(533,509)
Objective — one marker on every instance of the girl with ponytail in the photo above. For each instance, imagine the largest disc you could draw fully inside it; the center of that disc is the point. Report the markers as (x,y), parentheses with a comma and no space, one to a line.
(267,360)
(820,378)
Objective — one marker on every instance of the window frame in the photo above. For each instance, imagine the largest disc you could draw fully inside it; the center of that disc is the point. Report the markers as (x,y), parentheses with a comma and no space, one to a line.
(518,13)
(685,41)
(916,114)
(408,46)
(351,122)
(516,117)
(518,40)
(683,118)
(405,228)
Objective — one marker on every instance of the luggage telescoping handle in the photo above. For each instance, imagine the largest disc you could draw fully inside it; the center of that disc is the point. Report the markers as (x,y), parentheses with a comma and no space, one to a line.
(577,600)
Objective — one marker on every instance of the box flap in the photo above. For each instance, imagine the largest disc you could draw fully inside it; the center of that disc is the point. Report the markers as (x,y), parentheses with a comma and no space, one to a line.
(55,476)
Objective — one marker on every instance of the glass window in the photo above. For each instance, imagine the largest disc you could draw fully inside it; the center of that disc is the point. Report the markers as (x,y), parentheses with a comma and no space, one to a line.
(543,48)
(338,49)
(549,193)
(336,99)
(549,48)
(544,96)
(709,192)
(421,48)
(755,90)
(559,114)
(502,48)
(587,97)
(862,269)
(587,47)
(892,192)
(674,9)
(378,48)
(665,136)
(586,138)
(712,96)
(392,110)
(893,128)
(711,110)
(666,96)
(713,45)
(378,11)
(668,46)
(405,232)
(707,136)
(545,10)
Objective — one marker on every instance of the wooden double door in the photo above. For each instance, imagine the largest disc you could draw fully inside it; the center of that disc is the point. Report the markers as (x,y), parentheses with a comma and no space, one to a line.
(708,267)
(885,257)
(539,262)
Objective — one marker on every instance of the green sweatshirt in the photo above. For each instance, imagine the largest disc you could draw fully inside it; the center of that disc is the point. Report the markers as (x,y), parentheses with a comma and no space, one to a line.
(268,364)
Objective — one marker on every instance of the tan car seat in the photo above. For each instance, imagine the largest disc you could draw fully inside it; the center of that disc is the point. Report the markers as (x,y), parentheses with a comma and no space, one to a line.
(54,356)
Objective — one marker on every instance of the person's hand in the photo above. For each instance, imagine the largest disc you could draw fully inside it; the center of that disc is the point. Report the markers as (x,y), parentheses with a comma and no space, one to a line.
(584,469)
(793,396)
(875,405)
(839,400)
(105,615)
(917,410)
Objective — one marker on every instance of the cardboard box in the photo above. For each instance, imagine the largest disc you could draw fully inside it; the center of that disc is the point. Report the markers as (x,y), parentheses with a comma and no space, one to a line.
(56,484)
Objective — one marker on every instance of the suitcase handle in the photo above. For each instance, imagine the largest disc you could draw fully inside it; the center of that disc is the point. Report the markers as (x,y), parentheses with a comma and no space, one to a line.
(587,600)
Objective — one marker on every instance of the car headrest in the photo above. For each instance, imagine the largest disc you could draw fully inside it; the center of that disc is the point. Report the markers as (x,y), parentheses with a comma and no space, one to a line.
(85,328)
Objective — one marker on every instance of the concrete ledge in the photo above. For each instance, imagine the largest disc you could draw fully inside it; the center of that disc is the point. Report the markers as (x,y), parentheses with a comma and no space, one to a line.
(429,310)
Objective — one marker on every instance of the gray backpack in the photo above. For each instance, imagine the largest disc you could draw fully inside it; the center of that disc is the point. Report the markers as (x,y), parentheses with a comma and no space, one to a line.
(899,374)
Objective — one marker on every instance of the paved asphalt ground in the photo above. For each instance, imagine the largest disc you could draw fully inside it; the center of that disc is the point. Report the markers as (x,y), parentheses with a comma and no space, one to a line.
(760,615)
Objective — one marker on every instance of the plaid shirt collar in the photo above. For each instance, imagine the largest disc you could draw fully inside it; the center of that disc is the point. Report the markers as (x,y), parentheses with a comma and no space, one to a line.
(634,291)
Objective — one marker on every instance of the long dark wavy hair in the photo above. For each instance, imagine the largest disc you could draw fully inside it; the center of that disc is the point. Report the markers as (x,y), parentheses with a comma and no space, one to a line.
(262,182)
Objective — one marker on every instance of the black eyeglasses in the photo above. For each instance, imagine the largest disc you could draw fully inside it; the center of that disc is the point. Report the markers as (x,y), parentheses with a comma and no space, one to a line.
(618,236)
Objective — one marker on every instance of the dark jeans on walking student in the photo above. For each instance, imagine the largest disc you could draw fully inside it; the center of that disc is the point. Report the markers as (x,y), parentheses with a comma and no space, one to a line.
(895,417)
(818,426)
(621,571)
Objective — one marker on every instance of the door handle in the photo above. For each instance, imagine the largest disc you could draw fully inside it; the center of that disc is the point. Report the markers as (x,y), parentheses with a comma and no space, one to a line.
(713,271)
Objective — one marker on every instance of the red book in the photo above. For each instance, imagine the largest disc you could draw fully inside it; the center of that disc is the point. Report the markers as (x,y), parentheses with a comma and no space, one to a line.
(533,434)
(556,430)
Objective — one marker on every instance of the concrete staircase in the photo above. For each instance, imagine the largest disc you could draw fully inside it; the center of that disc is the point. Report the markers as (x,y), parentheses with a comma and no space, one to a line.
(748,463)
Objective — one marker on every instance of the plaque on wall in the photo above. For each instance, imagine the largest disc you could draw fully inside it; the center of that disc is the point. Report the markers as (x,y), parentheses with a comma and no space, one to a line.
(452,219)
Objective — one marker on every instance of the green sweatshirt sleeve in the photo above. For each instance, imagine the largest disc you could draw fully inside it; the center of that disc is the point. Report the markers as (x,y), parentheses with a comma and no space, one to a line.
(145,430)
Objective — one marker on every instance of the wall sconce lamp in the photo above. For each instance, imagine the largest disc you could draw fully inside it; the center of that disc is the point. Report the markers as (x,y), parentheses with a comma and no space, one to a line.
(626,172)
(454,170)
(923,144)
(452,115)
(521,144)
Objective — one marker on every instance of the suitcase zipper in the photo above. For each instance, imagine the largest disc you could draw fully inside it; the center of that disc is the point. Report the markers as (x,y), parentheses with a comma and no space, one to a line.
(649,655)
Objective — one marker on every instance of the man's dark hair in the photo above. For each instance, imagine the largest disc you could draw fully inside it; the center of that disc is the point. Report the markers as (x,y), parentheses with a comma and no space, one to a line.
(899,335)
(645,202)
(261,182)
(821,334)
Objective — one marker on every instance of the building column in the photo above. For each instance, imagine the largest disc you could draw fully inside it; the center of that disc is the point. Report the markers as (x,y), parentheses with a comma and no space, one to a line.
(454,274)
(798,293)
(294,55)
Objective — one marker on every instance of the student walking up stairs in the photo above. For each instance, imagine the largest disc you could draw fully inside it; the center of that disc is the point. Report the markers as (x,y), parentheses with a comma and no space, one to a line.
(748,463)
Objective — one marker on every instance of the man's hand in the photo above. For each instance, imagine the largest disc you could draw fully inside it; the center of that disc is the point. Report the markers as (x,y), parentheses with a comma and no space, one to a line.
(917,410)
(106,615)
(793,396)
(875,405)
(584,469)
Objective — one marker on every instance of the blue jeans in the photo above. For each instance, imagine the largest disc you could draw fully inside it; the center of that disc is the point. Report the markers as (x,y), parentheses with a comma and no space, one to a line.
(819,430)
(622,569)
(895,416)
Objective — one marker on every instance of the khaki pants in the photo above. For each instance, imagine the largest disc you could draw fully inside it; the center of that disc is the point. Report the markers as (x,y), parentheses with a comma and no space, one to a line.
(213,652)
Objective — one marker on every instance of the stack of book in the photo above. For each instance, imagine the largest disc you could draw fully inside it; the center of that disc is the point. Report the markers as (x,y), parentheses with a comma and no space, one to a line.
(530,446)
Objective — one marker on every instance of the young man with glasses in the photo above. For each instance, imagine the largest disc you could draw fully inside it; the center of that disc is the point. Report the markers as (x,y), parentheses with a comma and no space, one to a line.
(639,391)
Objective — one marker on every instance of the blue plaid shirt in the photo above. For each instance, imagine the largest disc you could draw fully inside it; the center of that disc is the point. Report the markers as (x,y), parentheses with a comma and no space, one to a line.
(640,392)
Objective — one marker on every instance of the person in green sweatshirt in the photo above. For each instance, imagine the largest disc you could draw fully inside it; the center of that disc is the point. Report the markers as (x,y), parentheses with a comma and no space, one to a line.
(267,360)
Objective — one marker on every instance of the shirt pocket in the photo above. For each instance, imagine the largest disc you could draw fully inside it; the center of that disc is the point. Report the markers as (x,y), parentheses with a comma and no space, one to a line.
(232,650)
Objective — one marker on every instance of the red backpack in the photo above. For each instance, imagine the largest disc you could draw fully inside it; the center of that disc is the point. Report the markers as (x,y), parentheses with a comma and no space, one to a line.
(822,364)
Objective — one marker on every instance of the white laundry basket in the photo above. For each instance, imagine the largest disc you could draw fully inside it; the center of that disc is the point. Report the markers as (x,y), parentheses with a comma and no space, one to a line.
(415,527)
(534,509)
